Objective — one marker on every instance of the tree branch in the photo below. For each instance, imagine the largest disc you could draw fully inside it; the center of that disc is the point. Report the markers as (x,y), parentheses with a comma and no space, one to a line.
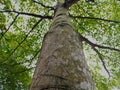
(99,54)
(101,59)
(9,26)
(22,41)
(96,45)
(106,47)
(28,14)
(92,18)
(43,5)
(69,3)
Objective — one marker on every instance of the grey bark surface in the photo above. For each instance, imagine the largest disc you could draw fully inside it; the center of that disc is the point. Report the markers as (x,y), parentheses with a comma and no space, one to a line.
(62,64)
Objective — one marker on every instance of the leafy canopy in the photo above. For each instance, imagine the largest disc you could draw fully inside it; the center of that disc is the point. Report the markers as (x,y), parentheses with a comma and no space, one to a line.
(23,24)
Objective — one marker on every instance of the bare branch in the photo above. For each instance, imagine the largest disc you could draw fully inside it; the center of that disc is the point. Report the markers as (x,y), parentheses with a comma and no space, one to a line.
(93,18)
(99,54)
(9,26)
(22,41)
(101,58)
(43,5)
(96,45)
(106,47)
(28,14)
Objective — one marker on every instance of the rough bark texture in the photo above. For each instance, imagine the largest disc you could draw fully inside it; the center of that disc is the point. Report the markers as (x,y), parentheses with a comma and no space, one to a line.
(62,65)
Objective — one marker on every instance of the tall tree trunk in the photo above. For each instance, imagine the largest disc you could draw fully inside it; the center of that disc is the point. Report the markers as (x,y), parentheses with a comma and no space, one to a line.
(62,65)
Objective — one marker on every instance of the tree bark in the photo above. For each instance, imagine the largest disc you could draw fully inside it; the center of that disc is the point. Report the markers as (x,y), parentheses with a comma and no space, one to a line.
(62,65)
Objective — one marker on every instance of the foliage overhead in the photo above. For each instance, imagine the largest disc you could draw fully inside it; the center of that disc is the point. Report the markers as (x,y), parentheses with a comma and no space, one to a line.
(23,24)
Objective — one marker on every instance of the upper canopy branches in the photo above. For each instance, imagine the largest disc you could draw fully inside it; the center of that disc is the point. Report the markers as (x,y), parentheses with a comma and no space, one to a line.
(69,3)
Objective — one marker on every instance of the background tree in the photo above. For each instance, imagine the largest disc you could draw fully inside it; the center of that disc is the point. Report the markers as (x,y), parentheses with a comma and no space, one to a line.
(24,23)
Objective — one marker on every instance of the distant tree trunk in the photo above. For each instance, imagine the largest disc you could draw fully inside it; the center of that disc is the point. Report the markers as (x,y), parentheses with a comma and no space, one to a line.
(62,65)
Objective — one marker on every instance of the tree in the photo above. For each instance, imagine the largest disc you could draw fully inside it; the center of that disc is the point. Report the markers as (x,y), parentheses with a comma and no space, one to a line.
(19,48)
(62,64)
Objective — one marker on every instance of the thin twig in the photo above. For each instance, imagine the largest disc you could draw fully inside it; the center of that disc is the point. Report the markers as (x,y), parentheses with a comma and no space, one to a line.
(28,14)
(93,18)
(22,40)
(9,26)
(52,8)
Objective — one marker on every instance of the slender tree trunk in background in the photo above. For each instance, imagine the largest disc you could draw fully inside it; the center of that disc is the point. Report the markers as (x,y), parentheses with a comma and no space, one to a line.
(62,65)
